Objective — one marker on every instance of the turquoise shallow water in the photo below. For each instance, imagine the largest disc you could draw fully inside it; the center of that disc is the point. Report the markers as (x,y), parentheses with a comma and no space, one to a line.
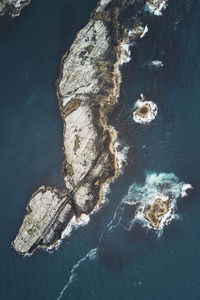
(129,264)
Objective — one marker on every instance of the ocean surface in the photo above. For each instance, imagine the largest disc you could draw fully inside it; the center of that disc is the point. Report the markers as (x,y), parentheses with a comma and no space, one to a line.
(112,257)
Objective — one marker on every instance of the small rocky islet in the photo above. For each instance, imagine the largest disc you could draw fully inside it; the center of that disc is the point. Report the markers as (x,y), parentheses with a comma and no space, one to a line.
(146,111)
(87,90)
(156,211)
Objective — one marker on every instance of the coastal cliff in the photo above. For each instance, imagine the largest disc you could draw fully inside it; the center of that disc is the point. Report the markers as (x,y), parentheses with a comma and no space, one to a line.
(87,90)
(12,7)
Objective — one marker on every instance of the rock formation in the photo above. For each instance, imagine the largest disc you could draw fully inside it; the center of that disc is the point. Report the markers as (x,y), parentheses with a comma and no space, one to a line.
(156,211)
(87,90)
(12,7)
(145,112)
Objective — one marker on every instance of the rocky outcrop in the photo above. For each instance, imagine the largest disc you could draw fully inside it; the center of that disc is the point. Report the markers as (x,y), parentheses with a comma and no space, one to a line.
(12,7)
(145,112)
(47,212)
(87,90)
(156,211)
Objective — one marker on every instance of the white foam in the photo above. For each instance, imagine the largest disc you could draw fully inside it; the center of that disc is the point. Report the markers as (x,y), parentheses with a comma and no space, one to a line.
(165,186)
(121,153)
(144,32)
(126,44)
(150,116)
(125,53)
(74,224)
(90,255)
(156,7)
(156,64)
(185,188)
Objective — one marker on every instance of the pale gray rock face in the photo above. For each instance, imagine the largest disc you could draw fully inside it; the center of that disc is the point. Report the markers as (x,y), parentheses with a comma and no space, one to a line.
(87,90)
(13,7)
(45,211)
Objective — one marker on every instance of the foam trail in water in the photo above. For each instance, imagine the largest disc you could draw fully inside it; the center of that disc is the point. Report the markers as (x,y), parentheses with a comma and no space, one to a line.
(90,255)
(117,215)
(163,185)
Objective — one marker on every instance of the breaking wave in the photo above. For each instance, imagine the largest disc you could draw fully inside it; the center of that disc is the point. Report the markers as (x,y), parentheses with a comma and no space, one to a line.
(156,7)
(165,186)
(156,65)
(148,117)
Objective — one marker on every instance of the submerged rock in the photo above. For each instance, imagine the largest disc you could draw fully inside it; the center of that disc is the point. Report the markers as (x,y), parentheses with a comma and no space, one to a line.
(12,7)
(87,90)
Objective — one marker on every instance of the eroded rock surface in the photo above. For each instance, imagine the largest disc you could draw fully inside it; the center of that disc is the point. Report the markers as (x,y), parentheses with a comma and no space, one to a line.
(156,211)
(87,90)
(12,7)
(145,112)
(47,211)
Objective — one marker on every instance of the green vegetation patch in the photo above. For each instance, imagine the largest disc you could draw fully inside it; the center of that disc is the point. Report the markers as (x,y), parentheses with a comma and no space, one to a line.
(30,231)
(70,170)
(76,143)
(89,48)
(82,54)
(100,65)
(72,106)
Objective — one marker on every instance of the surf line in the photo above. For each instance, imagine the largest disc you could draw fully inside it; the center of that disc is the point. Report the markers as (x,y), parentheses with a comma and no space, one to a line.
(90,255)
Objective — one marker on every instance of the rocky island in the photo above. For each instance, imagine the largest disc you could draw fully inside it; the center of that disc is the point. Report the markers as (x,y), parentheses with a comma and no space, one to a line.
(12,7)
(156,211)
(145,112)
(87,90)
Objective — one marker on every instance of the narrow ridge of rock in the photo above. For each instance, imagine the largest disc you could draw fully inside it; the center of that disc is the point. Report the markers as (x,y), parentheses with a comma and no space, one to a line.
(87,90)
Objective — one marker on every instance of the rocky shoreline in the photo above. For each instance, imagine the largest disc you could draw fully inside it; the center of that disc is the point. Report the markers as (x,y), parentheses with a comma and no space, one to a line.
(87,90)
(155,212)
(12,7)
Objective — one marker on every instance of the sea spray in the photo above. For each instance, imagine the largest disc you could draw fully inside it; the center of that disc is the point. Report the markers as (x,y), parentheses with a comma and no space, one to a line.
(121,153)
(156,7)
(150,109)
(164,186)
(155,65)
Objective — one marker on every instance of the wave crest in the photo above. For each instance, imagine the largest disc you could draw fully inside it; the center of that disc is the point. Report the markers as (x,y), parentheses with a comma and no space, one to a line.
(164,186)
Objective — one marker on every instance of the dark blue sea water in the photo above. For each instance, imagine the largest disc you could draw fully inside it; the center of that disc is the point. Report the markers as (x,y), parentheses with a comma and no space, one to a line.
(128,265)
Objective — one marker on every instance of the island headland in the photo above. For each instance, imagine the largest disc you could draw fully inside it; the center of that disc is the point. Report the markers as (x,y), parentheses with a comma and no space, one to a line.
(87,90)
(12,7)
